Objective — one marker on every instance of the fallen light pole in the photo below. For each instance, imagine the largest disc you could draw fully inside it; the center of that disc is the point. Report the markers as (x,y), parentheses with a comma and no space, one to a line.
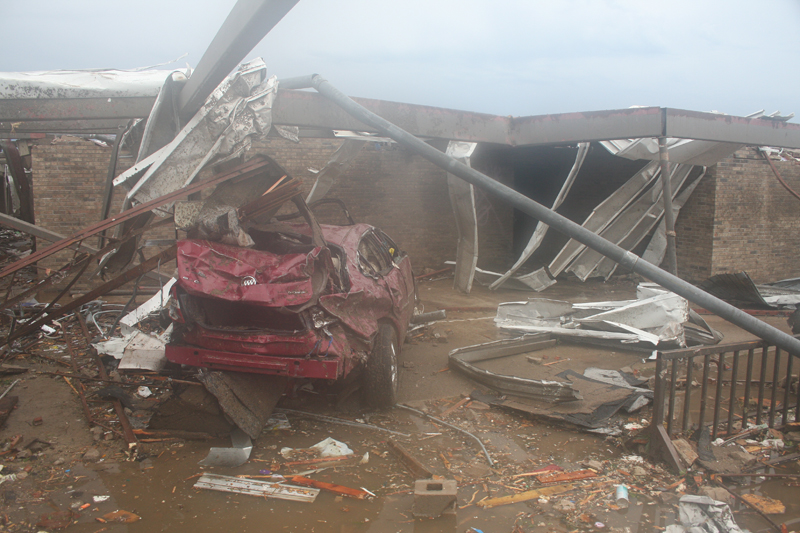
(549,217)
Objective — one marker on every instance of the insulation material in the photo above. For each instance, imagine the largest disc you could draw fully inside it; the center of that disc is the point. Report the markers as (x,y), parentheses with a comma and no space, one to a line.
(82,83)
(239,108)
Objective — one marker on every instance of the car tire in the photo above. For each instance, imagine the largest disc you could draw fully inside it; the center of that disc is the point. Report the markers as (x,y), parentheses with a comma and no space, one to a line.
(381,372)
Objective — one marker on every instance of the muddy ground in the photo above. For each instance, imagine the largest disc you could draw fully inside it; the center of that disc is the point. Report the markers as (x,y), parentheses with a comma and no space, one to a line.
(71,476)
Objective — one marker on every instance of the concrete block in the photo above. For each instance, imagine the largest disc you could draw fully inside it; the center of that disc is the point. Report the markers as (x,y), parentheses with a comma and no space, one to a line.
(434,497)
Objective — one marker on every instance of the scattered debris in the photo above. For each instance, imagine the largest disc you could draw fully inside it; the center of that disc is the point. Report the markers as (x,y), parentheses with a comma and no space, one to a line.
(655,319)
(325,448)
(740,290)
(704,513)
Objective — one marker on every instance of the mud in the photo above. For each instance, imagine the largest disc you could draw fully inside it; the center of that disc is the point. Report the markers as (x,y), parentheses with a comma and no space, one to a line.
(157,485)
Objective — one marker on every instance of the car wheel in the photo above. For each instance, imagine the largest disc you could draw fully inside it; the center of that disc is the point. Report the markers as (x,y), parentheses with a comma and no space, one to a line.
(381,374)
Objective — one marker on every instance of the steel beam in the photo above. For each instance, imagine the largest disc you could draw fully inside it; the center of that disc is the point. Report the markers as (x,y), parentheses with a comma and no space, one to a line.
(20,129)
(35,109)
(726,128)
(247,23)
(311,110)
(590,126)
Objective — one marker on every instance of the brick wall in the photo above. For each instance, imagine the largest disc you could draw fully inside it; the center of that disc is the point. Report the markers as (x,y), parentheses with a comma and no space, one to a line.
(740,218)
(757,222)
(406,196)
(69,176)
(694,229)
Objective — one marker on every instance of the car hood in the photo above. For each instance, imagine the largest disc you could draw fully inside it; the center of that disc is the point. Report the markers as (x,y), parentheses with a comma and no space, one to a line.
(294,280)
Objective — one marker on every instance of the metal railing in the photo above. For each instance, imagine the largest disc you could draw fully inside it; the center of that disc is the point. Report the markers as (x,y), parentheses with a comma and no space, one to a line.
(722,366)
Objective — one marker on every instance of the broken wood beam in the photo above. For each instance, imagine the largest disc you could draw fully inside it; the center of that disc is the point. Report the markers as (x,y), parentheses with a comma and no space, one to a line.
(525,496)
(458,404)
(419,470)
(172,434)
(560,477)
(773,462)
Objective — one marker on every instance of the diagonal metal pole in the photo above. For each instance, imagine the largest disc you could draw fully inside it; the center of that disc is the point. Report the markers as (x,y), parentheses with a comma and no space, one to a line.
(554,220)
(247,23)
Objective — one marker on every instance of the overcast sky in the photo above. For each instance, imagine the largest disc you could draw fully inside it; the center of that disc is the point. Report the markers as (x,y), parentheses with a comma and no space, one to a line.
(506,57)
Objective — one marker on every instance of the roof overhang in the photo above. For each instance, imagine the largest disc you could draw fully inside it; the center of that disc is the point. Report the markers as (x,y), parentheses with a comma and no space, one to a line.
(311,111)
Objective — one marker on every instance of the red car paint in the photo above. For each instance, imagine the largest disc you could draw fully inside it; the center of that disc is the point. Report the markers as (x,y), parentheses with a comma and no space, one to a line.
(295,309)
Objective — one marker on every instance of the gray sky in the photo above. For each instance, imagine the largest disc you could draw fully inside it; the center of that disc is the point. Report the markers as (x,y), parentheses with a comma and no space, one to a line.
(506,57)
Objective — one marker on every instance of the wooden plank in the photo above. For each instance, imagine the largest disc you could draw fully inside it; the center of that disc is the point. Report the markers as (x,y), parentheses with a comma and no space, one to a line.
(452,408)
(330,487)
(319,460)
(540,471)
(254,487)
(525,496)
(419,470)
(560,477)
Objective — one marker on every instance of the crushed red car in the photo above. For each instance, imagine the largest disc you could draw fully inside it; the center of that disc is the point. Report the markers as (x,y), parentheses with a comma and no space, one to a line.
(305,301)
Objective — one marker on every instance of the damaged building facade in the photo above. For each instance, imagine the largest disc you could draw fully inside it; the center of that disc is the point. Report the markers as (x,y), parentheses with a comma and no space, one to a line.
(739,217)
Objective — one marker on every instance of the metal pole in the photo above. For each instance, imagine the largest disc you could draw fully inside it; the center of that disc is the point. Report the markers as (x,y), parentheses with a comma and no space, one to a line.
(560,223)
(670,260)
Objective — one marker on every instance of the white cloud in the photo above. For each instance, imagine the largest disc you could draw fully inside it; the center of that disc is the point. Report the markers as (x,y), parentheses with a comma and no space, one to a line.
(506,57)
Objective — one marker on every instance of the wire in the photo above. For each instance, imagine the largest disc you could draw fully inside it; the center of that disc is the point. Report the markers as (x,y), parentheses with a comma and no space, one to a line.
(777,174)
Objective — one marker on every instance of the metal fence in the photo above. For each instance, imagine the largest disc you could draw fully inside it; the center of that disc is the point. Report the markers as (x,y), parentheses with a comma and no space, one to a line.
(730,379)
